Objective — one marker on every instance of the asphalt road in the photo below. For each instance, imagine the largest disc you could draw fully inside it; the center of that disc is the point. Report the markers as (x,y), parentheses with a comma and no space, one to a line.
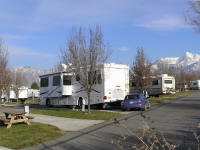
(176,119)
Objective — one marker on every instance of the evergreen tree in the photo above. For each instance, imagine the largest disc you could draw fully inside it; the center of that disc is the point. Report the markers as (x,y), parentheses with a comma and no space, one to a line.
(34,85)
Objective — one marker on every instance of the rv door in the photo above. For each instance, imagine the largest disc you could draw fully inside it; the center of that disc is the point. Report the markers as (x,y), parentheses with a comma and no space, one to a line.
(67,85)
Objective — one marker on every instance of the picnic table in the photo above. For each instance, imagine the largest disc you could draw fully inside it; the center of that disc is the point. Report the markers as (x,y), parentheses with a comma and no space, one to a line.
(12,117)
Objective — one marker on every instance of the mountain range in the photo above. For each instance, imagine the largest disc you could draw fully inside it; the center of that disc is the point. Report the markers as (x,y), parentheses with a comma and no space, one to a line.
(30,73)
(189,62)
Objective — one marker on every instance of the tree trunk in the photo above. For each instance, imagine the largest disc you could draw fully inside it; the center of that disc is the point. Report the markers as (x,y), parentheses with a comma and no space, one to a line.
(88,94)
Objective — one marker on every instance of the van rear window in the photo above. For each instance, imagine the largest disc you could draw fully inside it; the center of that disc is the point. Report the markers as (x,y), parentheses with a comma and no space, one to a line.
(132,97)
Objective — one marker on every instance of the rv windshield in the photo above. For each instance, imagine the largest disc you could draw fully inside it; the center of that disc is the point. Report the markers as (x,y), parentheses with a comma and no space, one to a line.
(56,80)
(44,82)
(155,82)
(67,80)
(168,81)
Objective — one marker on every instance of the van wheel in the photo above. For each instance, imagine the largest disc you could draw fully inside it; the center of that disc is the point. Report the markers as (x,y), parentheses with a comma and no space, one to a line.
(145,107)
(123,109)
(149,105)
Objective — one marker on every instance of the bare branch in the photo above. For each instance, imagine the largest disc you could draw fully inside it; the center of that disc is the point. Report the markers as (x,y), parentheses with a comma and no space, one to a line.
(85,54)
(193,15)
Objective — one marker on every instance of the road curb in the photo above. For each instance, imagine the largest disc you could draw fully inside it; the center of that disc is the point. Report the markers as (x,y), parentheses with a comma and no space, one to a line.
(4,148)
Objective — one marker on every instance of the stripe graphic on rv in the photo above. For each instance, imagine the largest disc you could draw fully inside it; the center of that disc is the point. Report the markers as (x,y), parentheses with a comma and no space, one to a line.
(43,93)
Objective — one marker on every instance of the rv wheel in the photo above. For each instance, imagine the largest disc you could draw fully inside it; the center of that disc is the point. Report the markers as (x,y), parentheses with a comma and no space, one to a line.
(80,102)
(48,104)
(105,105)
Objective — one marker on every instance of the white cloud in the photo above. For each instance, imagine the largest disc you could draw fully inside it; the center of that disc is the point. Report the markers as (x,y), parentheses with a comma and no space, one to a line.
(43,15)
(21,51)
(21,56)
(123,48)
(164,22)
(15,37)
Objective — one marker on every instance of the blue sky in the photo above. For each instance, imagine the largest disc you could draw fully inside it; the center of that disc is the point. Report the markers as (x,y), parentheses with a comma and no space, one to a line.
(34,30)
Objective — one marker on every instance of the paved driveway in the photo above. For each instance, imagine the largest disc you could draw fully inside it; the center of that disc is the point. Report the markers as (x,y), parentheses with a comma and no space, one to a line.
(66,124)
(177,119)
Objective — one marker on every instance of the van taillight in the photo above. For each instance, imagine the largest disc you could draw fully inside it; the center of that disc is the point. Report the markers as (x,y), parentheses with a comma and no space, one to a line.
(139,102)
(105,98)
(123,103)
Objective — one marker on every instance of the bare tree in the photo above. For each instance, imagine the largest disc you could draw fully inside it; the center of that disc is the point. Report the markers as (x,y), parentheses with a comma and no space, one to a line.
(5,80)
(141,71)
(56,68)
(193,15)
(86,53)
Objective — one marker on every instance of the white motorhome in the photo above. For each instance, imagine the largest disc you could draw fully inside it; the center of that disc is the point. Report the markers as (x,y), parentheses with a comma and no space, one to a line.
(63,88)
(163,84)
(195,85)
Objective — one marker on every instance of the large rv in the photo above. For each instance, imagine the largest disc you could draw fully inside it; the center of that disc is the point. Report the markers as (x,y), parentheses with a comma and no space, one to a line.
(63,88)
(163,84)
(195,85)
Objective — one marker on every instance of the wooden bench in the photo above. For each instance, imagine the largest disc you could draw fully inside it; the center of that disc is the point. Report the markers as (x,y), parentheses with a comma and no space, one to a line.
(30,117)
(15,117)
(5,121)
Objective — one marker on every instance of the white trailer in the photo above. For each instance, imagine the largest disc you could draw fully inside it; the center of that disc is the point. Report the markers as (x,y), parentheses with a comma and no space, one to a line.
(163,84)
(33,93)
(195,85)
(22,93)
(63,88)
(12,95)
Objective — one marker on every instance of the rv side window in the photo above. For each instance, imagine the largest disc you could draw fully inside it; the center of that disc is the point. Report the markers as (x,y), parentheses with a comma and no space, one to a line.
(155,82)
(168,81)
(194,83)
(44,82)
(56,80)
(99,79)
(67,80)
(92,77)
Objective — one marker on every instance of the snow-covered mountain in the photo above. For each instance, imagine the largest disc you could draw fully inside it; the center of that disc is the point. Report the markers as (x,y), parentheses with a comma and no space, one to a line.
(189,62)
(30,73)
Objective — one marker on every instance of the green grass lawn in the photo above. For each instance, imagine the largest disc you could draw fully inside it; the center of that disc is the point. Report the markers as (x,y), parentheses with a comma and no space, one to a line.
(68,113)
(22,135)
(161,98)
